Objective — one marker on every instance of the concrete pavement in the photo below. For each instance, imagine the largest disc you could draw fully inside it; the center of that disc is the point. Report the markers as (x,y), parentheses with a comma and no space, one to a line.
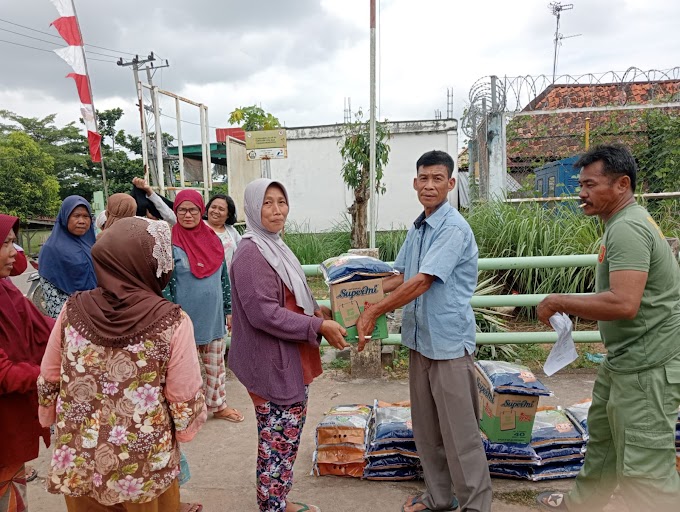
(222,456)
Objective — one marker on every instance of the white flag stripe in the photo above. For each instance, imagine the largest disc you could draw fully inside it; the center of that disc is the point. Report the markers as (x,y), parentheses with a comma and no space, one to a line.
(64,7)
(74,57)
(88,117)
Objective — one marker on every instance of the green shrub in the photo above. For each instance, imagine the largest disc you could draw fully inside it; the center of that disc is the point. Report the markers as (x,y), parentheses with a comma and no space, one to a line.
(513,230)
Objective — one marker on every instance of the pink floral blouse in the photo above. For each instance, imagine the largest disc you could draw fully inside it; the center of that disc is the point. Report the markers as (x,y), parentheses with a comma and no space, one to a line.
(119,412)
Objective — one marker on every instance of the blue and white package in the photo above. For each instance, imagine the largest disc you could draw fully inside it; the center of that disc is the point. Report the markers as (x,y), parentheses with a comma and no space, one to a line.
(512,378)
(508,450)
(353,267)
(537,474)
(393,474)
(553,428)
(578,414)
(392,462)
(406,448)
(391,424)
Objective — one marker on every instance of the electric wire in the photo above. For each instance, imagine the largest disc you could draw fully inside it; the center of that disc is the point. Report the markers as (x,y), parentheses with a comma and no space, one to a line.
(50,51)
(58,37)
(56,44)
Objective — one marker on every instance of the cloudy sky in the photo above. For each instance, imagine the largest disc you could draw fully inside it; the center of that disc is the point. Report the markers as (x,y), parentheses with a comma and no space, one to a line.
(300,58)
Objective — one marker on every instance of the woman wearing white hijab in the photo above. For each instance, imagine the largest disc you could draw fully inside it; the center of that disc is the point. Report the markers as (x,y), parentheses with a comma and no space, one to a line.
(276,330)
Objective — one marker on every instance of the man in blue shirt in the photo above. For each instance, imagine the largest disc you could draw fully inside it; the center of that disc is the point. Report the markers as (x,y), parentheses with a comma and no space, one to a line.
(437,276)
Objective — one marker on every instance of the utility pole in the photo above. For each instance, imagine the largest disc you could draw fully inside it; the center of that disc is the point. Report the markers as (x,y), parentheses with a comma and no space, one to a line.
(557,8)
(136,64)
(372,156)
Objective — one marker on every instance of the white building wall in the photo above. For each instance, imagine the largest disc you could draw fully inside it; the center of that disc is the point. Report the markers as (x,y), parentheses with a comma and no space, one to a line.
(319,198)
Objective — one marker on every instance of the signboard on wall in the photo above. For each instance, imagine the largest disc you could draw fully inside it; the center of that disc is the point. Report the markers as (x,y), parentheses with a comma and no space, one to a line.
(266,144)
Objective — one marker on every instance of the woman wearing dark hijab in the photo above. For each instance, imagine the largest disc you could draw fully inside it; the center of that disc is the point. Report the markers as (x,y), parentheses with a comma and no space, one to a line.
(65,260)
(23,336)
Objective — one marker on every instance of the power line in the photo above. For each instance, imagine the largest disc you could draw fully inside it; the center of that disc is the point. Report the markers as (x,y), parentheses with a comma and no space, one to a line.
(185,121)
(58,37)
(49,51)
(56,44)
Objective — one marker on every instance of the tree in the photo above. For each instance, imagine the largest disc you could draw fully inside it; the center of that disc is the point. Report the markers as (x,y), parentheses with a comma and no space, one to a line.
(355,152)
(120,168)
(106,124)
(253,118)
(73,168)
(66,145)
(27,186)
(130,142)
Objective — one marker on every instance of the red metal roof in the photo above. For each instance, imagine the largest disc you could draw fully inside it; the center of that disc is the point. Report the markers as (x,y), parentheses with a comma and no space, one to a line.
(236,133)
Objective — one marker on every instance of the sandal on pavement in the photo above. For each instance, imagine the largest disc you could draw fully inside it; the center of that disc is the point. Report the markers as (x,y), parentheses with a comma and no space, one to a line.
(307,508)
(31,474)
(552,501)
(415,500)
(190,507)
(234,416)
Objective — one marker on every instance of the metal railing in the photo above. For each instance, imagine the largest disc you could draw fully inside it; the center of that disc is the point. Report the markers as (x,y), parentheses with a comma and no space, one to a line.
(526,300)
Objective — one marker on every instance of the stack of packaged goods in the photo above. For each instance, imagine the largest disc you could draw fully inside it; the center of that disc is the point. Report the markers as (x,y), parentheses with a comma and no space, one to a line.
(556,451)
(341,439)
(392,451)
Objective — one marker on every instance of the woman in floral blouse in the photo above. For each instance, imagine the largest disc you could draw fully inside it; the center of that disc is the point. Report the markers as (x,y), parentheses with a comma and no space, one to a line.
(120,379)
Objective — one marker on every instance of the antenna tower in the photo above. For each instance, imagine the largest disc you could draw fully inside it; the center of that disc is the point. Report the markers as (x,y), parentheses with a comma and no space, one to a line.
(556,8)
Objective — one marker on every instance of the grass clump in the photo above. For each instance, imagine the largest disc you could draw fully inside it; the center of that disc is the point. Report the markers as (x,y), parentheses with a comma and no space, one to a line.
(510,230)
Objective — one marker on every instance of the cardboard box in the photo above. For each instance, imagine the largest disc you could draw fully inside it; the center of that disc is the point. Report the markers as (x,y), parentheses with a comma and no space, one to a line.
(505,418)
(348,301)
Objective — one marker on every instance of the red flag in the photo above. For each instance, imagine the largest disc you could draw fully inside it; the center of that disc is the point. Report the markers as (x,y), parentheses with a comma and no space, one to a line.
(74,55)
(83,86)
(67,27)
(94,140)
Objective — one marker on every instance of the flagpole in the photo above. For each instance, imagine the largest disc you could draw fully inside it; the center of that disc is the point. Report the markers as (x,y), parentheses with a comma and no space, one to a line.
(94,111)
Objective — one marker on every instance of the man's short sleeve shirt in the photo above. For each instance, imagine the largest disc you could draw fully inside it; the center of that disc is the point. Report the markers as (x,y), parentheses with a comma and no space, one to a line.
(633,241)
(440,324)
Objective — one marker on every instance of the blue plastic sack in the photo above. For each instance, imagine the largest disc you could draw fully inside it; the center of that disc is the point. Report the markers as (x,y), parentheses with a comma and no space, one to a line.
(508,450)
(512,378)
(353,267)
(537,474)
(407,448)
(392,462)
(393,474)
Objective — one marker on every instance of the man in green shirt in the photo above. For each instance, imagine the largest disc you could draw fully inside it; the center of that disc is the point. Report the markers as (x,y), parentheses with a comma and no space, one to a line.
(637,305)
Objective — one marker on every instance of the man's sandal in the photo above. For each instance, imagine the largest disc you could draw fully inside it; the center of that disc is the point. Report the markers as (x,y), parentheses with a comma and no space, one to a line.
(552,501)
(416,501)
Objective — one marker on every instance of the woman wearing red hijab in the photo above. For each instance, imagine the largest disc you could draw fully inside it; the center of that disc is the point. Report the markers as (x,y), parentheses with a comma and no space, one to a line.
(200,284)
(24,332)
